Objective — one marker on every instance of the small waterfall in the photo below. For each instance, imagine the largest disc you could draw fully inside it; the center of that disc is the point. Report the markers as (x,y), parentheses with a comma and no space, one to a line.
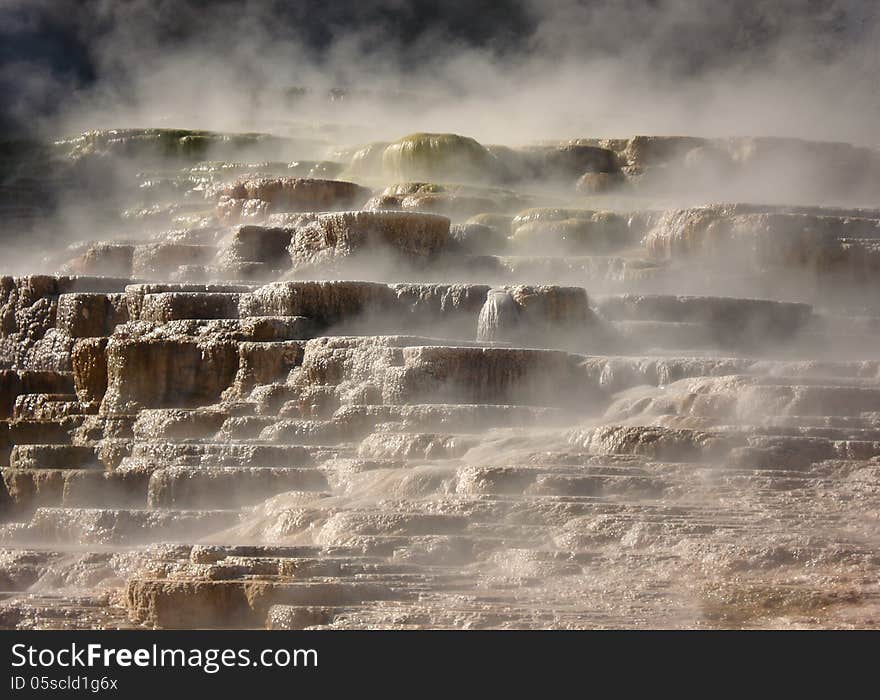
(499,318)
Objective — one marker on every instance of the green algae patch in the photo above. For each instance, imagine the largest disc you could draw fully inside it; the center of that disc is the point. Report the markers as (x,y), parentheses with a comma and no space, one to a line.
(158,144)
(438,157)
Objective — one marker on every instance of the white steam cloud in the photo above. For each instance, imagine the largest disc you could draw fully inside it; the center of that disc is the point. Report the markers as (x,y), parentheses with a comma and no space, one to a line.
(518,71)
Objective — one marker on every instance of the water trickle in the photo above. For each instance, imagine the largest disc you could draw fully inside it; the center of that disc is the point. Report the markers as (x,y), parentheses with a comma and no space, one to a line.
(499,318)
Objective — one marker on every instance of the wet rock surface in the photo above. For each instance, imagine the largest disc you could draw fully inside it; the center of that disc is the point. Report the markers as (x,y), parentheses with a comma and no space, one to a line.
(437,383)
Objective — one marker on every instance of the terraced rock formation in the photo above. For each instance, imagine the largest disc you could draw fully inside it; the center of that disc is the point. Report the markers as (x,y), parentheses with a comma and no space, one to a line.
(436,383)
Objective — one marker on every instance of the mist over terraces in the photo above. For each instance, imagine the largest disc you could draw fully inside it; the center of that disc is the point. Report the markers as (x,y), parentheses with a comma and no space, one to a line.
(290,381)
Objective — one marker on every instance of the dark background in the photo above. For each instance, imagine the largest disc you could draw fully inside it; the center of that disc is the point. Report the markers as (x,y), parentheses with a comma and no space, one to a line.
(51,49)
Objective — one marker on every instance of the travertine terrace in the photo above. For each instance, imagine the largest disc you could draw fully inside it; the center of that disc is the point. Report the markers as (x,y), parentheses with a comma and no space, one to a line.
(436,383)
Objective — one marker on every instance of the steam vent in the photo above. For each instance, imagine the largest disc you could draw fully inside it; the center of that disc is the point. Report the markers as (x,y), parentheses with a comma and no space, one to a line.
(297,380)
